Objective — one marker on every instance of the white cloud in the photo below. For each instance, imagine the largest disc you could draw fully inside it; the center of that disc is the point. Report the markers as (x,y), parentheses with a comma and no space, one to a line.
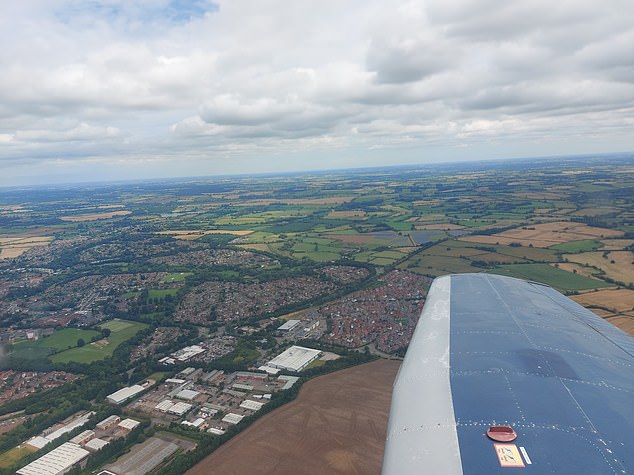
(204,81)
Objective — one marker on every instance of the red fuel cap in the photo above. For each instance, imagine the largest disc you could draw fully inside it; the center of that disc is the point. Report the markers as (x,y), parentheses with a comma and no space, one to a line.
(501,433)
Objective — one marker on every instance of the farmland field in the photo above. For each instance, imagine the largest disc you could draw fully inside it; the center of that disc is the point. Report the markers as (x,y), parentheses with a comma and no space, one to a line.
(617,300)
(577,246)
(547,234)
(617,265)
(544,273)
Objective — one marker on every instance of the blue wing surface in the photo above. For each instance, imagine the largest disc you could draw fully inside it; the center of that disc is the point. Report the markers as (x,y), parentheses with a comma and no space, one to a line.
(492,350)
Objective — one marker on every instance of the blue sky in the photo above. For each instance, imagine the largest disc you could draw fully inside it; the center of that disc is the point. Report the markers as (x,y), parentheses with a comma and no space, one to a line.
(113,89)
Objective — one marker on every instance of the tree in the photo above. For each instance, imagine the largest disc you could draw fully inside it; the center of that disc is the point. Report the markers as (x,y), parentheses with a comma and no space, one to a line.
(106,332)
(81,342)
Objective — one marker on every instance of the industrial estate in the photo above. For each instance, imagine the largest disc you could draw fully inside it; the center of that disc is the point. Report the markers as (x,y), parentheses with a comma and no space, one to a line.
(144,325)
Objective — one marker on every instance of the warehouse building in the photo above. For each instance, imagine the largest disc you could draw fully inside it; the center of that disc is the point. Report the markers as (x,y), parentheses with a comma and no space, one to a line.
(57,431)
(296,358)
(85,436)
(143,458)
(57,462)
(187,394)
(251,405)
(232,418)
(124,394)
(96,444)
(288,325)
(108,422)
(128,424)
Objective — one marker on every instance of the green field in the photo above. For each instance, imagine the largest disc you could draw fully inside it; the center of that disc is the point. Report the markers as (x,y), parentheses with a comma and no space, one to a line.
(11,456)
(59,341)
(577,246)
(544,273)
(438,265)
(176,277)
(121,330)
(161,293)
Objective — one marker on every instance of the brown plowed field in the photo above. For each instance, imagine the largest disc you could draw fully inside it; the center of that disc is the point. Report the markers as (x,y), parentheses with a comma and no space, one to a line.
(336,426)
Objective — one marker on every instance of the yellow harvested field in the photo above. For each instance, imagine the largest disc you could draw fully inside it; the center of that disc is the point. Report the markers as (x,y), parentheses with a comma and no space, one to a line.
(617,300)
(192,234)
(603,313)
(546,234)
(426,202)
(15,246)
(577,268)
(624,323)
(616,244)
(617,265)
(594,211)
(95,216)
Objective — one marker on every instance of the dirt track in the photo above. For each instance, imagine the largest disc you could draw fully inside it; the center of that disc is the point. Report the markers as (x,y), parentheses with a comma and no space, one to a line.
(336,425)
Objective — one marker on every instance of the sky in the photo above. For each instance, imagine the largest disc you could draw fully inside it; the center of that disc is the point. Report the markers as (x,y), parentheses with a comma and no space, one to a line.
(99,90)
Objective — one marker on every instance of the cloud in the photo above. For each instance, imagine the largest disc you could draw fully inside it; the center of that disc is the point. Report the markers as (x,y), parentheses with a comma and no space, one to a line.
(200,81)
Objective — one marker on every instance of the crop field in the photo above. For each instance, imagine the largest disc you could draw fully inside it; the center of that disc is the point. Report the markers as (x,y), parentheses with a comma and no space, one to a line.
(192,235)
(544,273)
(625,323)
(617,265)
(577,246)
(15,246)
(616,300)
(259,218)
(616,244)
(336,425)
(75,218)
(121,330)
(546,235)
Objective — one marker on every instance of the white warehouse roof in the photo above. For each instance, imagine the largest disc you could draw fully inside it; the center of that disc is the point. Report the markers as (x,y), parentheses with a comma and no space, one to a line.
(296,358)
(252,405)
(128,424)
(187,394)
(96,444)
(289,325)
(180,408)
(56,462)
(124,394)
(232,418)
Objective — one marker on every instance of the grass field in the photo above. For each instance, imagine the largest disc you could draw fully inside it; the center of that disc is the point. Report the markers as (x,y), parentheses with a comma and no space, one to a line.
(121,330)
(584,245)
(176,277)
(59,341)
(544,273)
(11,456)
(438,265)
(161,293)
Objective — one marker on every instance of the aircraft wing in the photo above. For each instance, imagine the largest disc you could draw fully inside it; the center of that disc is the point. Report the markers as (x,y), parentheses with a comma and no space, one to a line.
(497,351)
